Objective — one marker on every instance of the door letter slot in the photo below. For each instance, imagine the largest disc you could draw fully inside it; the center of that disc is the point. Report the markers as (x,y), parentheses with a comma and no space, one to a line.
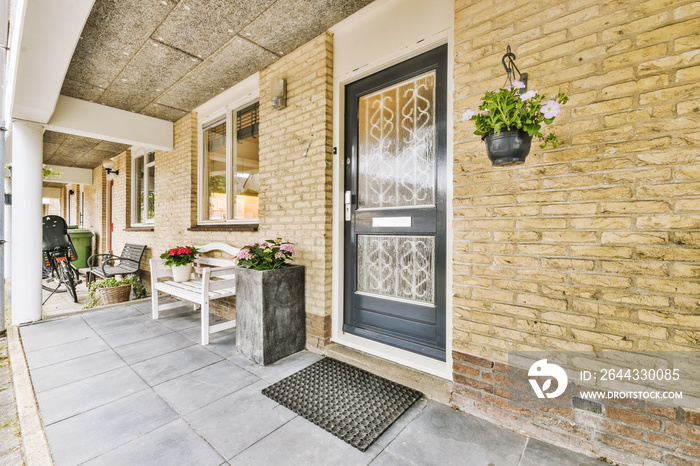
(396,222)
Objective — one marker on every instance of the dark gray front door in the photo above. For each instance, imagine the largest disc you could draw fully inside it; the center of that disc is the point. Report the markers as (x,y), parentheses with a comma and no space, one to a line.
(395,219)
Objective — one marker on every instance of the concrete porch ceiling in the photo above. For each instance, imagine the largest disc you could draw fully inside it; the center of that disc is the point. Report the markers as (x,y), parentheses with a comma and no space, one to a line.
(163,58)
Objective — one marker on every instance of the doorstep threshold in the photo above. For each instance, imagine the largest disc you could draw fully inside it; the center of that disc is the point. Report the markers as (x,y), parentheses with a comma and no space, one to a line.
(432,387)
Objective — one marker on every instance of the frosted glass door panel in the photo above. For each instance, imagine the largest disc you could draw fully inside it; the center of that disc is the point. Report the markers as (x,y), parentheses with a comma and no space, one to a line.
(397,266)
(397,145)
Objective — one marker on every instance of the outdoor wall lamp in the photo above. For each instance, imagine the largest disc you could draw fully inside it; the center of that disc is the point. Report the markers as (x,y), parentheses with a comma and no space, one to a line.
(109,166)
(279,93)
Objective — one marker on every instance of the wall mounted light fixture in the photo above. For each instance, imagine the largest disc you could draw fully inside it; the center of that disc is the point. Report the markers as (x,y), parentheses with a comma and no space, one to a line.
(279,93)
(109,167)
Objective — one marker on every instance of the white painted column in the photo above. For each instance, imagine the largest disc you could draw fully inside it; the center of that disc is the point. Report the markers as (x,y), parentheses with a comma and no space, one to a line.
(8,208)
(27,156)
(7,233)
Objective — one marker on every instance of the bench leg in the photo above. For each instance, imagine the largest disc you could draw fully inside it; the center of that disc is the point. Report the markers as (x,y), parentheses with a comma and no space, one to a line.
(154,304)
(205,322)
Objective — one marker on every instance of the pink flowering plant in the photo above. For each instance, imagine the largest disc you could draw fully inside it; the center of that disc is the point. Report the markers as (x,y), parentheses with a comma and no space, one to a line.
(265,255)
(182,255)
(510,109)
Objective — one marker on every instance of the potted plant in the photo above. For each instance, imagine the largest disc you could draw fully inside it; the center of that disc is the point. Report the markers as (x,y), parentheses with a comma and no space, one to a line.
(270,313)
(180,260)
(111,290)
(508,119)
(46,172)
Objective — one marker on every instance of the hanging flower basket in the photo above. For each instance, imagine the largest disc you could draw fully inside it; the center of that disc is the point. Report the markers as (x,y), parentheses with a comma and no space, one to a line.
(507,147)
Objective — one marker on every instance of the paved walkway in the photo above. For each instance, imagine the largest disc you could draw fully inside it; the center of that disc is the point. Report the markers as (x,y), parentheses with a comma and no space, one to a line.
(61,302)
(115,387)
(10,448)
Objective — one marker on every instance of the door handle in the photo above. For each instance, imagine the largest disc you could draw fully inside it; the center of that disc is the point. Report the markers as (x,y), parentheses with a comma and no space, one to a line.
(348,203)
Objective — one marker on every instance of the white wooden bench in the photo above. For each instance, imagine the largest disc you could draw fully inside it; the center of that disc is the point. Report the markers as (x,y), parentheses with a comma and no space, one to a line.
(214,279)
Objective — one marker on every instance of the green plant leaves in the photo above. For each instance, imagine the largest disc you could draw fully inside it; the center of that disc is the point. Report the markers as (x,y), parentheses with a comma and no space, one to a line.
(111,282)
(505,110)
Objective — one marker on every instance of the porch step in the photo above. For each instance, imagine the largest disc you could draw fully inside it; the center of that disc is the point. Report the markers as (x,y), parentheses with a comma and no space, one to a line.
(432,387)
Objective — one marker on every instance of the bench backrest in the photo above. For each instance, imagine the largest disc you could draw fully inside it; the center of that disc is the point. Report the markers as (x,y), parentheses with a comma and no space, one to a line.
(214,261)
(133,252)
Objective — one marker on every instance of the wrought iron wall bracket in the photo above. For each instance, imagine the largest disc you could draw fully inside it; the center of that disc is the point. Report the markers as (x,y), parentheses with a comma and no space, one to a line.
(508,61)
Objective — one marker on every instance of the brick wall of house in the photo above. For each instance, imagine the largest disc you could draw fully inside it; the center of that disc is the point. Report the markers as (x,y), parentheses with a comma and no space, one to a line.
(594,245)
(71,204)
(295,186)
(296,153)
(94,209)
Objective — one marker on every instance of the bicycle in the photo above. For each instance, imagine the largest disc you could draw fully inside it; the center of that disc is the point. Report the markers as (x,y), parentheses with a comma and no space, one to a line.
(58,254)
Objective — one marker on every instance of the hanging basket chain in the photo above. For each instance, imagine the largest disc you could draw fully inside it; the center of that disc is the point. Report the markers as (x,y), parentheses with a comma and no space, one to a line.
(508,61)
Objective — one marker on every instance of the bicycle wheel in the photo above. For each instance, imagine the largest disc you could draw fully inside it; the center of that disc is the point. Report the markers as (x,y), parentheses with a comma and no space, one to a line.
(51,282)
(68,281)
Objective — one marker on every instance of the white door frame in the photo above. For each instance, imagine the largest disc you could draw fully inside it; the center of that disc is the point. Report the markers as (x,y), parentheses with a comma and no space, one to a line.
(412,40)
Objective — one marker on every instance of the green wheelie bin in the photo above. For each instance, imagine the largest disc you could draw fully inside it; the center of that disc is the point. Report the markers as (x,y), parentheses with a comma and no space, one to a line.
(82,242)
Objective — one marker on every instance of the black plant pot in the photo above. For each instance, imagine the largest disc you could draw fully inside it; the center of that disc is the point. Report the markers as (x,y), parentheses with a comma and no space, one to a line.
(507,147)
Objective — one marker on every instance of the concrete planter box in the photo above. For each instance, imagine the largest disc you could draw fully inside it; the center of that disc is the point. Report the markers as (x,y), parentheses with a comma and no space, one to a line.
(270,313)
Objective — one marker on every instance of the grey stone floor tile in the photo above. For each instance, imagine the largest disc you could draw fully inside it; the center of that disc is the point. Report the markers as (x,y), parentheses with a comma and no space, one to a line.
(460,438)
(193,333)
(387,459)
(115,325)
(192,391)
(65,352)
(54,332)
(112,314)
(173,444)
(74,398)
(171,365)
(538,453)
(400,424)
(145,306)
(153,347)
(184,319)
(279,370)
(300,442)
(223,343)
(148,329)
(55,375)
(102,429)
(239,420)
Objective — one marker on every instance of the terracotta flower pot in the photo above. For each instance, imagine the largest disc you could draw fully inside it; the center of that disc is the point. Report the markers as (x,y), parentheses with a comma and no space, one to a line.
(507,147)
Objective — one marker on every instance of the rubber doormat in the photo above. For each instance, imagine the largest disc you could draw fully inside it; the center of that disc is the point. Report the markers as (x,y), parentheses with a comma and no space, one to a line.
(350,403)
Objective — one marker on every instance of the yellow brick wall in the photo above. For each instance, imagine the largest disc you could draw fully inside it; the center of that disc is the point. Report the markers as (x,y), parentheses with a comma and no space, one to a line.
(296,183)
(295,186)
(94,210)
(593,245)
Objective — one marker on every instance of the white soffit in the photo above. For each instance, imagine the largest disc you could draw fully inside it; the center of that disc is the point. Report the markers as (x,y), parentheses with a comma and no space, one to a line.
(43,41)
(70,175)
(87,119)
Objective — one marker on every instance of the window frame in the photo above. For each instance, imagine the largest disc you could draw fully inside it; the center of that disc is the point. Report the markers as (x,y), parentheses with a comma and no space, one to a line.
(229,115)
(136,154)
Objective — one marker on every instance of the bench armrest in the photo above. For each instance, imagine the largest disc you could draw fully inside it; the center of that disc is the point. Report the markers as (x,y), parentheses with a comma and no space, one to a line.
(111,261)
(95,256)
